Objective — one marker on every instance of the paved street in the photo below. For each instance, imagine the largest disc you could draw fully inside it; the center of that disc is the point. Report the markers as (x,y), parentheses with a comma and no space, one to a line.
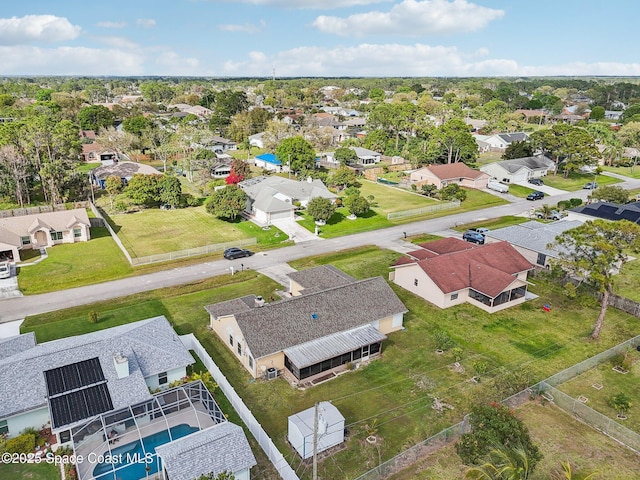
(12,309)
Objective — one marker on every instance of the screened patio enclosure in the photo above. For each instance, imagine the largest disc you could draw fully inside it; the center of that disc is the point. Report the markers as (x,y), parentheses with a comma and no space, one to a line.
(121,444)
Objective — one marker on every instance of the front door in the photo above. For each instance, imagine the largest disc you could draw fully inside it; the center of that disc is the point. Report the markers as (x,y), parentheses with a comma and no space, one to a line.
(41,239)
(365,352)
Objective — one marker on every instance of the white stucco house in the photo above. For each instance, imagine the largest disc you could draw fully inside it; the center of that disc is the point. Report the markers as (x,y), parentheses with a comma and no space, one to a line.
(520,170)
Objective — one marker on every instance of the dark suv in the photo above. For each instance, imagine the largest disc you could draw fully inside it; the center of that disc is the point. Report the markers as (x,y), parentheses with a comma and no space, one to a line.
(473,237)
(536,181)
(537,195)
(235,252)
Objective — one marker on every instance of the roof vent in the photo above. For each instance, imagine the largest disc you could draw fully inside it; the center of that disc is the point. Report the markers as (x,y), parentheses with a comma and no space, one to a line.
(122,365)
(259,301)
(314,316)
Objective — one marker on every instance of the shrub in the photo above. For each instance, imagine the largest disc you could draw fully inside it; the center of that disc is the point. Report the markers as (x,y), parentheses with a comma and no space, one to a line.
(564,205)
(575,202)
(442,340)
(457,354)
(25,443)
(480,367)
(93,316)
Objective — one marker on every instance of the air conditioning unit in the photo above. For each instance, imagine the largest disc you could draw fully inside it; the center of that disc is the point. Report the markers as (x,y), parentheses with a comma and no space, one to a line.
(272,373)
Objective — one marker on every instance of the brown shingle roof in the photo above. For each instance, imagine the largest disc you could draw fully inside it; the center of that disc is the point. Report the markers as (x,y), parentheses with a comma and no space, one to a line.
(446,245)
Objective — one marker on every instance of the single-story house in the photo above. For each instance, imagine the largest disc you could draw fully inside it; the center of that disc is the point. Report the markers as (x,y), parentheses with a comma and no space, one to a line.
(68,381)
(607,211)
(222,168)
(330,320)
(274,198)
(442,175)
(93,152)
(450,271)
(122,170)
(40,230)
(364,157)
(519,170)
(218,144)
(270,162)
(301,428)
(532,239)
(499,142)
(255,140)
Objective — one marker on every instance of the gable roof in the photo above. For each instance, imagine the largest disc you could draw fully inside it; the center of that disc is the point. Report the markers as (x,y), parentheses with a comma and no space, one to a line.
(454,170)
(263,192)
(222,447)
(488,268)
(611,211)
(151,346)
(287,323)
(124,170)
(532,163)
(509,138)
(13,228)
(320,278)
(533,235)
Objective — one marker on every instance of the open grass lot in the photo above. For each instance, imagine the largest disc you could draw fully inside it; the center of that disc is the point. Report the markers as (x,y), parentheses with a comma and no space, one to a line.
(155,231)
(392,199)
(575,181)
(633,172)
(29,471)
(560,438)
(613,383)
(397,389)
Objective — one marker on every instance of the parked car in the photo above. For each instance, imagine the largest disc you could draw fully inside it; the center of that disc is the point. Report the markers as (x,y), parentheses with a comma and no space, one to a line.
(536,181)
(497,186)
(553,215)
(473,237)
(5,270)
(537,195)
(235,252)
(481,230)
(590,186)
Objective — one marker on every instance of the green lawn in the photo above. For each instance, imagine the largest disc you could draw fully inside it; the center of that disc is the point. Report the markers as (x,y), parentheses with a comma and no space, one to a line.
(87,167)
(395,389)
(626,283)
(393,199)
(613,383)
(559,437)
(29,471)
(633,172)
(520,191)
(575,181)
(493,224)
(155,231)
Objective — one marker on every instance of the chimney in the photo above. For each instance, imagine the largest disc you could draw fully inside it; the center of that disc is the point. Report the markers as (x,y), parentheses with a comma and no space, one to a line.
(122,365)
(259,301)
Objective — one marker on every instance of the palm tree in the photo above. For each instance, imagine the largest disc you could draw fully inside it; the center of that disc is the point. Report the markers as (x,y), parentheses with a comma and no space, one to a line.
(612,152)
(568,474)
(503,463)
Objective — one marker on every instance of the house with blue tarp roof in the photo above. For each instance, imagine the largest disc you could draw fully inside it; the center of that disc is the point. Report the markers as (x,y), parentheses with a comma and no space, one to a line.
(269,161)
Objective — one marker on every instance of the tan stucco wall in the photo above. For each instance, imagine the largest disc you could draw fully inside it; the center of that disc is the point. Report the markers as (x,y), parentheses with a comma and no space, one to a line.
(295,288)
(225,326)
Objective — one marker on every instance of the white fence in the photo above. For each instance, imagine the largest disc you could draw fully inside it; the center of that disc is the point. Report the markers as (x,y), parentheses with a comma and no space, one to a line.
(421,211)
(281,465)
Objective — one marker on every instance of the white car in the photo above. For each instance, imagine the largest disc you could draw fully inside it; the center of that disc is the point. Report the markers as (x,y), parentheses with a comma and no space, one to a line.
(5,270)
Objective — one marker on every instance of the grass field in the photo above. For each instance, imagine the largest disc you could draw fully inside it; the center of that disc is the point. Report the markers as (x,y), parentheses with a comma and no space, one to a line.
(29,471)
(155,231)
(398,389)
(560,438)
(626,283)
(632,172)
(575,181)
(493,224)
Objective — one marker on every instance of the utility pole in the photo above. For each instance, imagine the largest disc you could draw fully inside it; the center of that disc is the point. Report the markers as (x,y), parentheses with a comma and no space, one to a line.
(315,442)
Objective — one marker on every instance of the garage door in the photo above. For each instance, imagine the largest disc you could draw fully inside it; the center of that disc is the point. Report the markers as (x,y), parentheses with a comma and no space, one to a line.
(281,215)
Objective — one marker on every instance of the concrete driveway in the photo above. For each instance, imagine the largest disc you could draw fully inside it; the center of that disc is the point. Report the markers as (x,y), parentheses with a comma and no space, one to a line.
(9,286)
(295,232)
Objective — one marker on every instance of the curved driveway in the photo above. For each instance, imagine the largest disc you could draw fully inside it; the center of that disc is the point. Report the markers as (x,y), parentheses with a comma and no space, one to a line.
(19,307)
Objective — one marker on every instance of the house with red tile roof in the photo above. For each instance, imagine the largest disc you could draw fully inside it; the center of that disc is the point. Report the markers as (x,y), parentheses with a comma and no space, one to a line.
(449,271)
(443,175)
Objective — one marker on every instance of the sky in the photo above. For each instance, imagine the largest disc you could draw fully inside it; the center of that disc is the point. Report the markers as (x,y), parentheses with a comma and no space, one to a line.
(320,38)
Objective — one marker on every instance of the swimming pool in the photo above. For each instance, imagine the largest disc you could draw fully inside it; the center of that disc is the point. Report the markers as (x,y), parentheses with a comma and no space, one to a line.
(131,457)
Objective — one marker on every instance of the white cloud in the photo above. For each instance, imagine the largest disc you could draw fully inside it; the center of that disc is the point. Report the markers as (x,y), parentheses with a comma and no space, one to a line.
(246,28)
(69,61)
(419,60)
(146,22)
(412,18)
(111,24)
(170,63)
(309,4)
(117,42)
(36,28)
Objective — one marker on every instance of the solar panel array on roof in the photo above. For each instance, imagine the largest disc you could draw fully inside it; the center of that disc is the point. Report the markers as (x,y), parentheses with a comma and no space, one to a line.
(80,404)
(77,391)
(74,376)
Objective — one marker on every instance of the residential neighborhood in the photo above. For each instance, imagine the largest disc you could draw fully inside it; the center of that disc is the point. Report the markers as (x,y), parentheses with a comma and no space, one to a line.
(229,283)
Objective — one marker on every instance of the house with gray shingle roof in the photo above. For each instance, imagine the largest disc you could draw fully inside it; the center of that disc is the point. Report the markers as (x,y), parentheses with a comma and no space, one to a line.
(532,239)
(40,230)
(450,272)
(316,330)
(519,170)
(120,364)
(273,198)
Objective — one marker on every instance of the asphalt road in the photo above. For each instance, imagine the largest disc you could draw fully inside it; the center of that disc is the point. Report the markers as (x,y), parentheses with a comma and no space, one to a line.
(17,308)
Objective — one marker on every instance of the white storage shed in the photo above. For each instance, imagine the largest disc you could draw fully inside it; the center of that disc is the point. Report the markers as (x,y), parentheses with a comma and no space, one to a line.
(330,429)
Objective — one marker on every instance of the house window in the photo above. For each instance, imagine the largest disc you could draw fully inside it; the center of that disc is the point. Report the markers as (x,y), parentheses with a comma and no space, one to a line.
(239,349)
(77,232)
(56,235)
(162,378)
(26,240)
(454,296)
(231,340)
(415,282)
(65,436)
(4,428)
(250,362)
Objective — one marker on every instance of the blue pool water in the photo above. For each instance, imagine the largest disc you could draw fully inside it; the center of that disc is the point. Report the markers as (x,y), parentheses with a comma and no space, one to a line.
(133,456)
